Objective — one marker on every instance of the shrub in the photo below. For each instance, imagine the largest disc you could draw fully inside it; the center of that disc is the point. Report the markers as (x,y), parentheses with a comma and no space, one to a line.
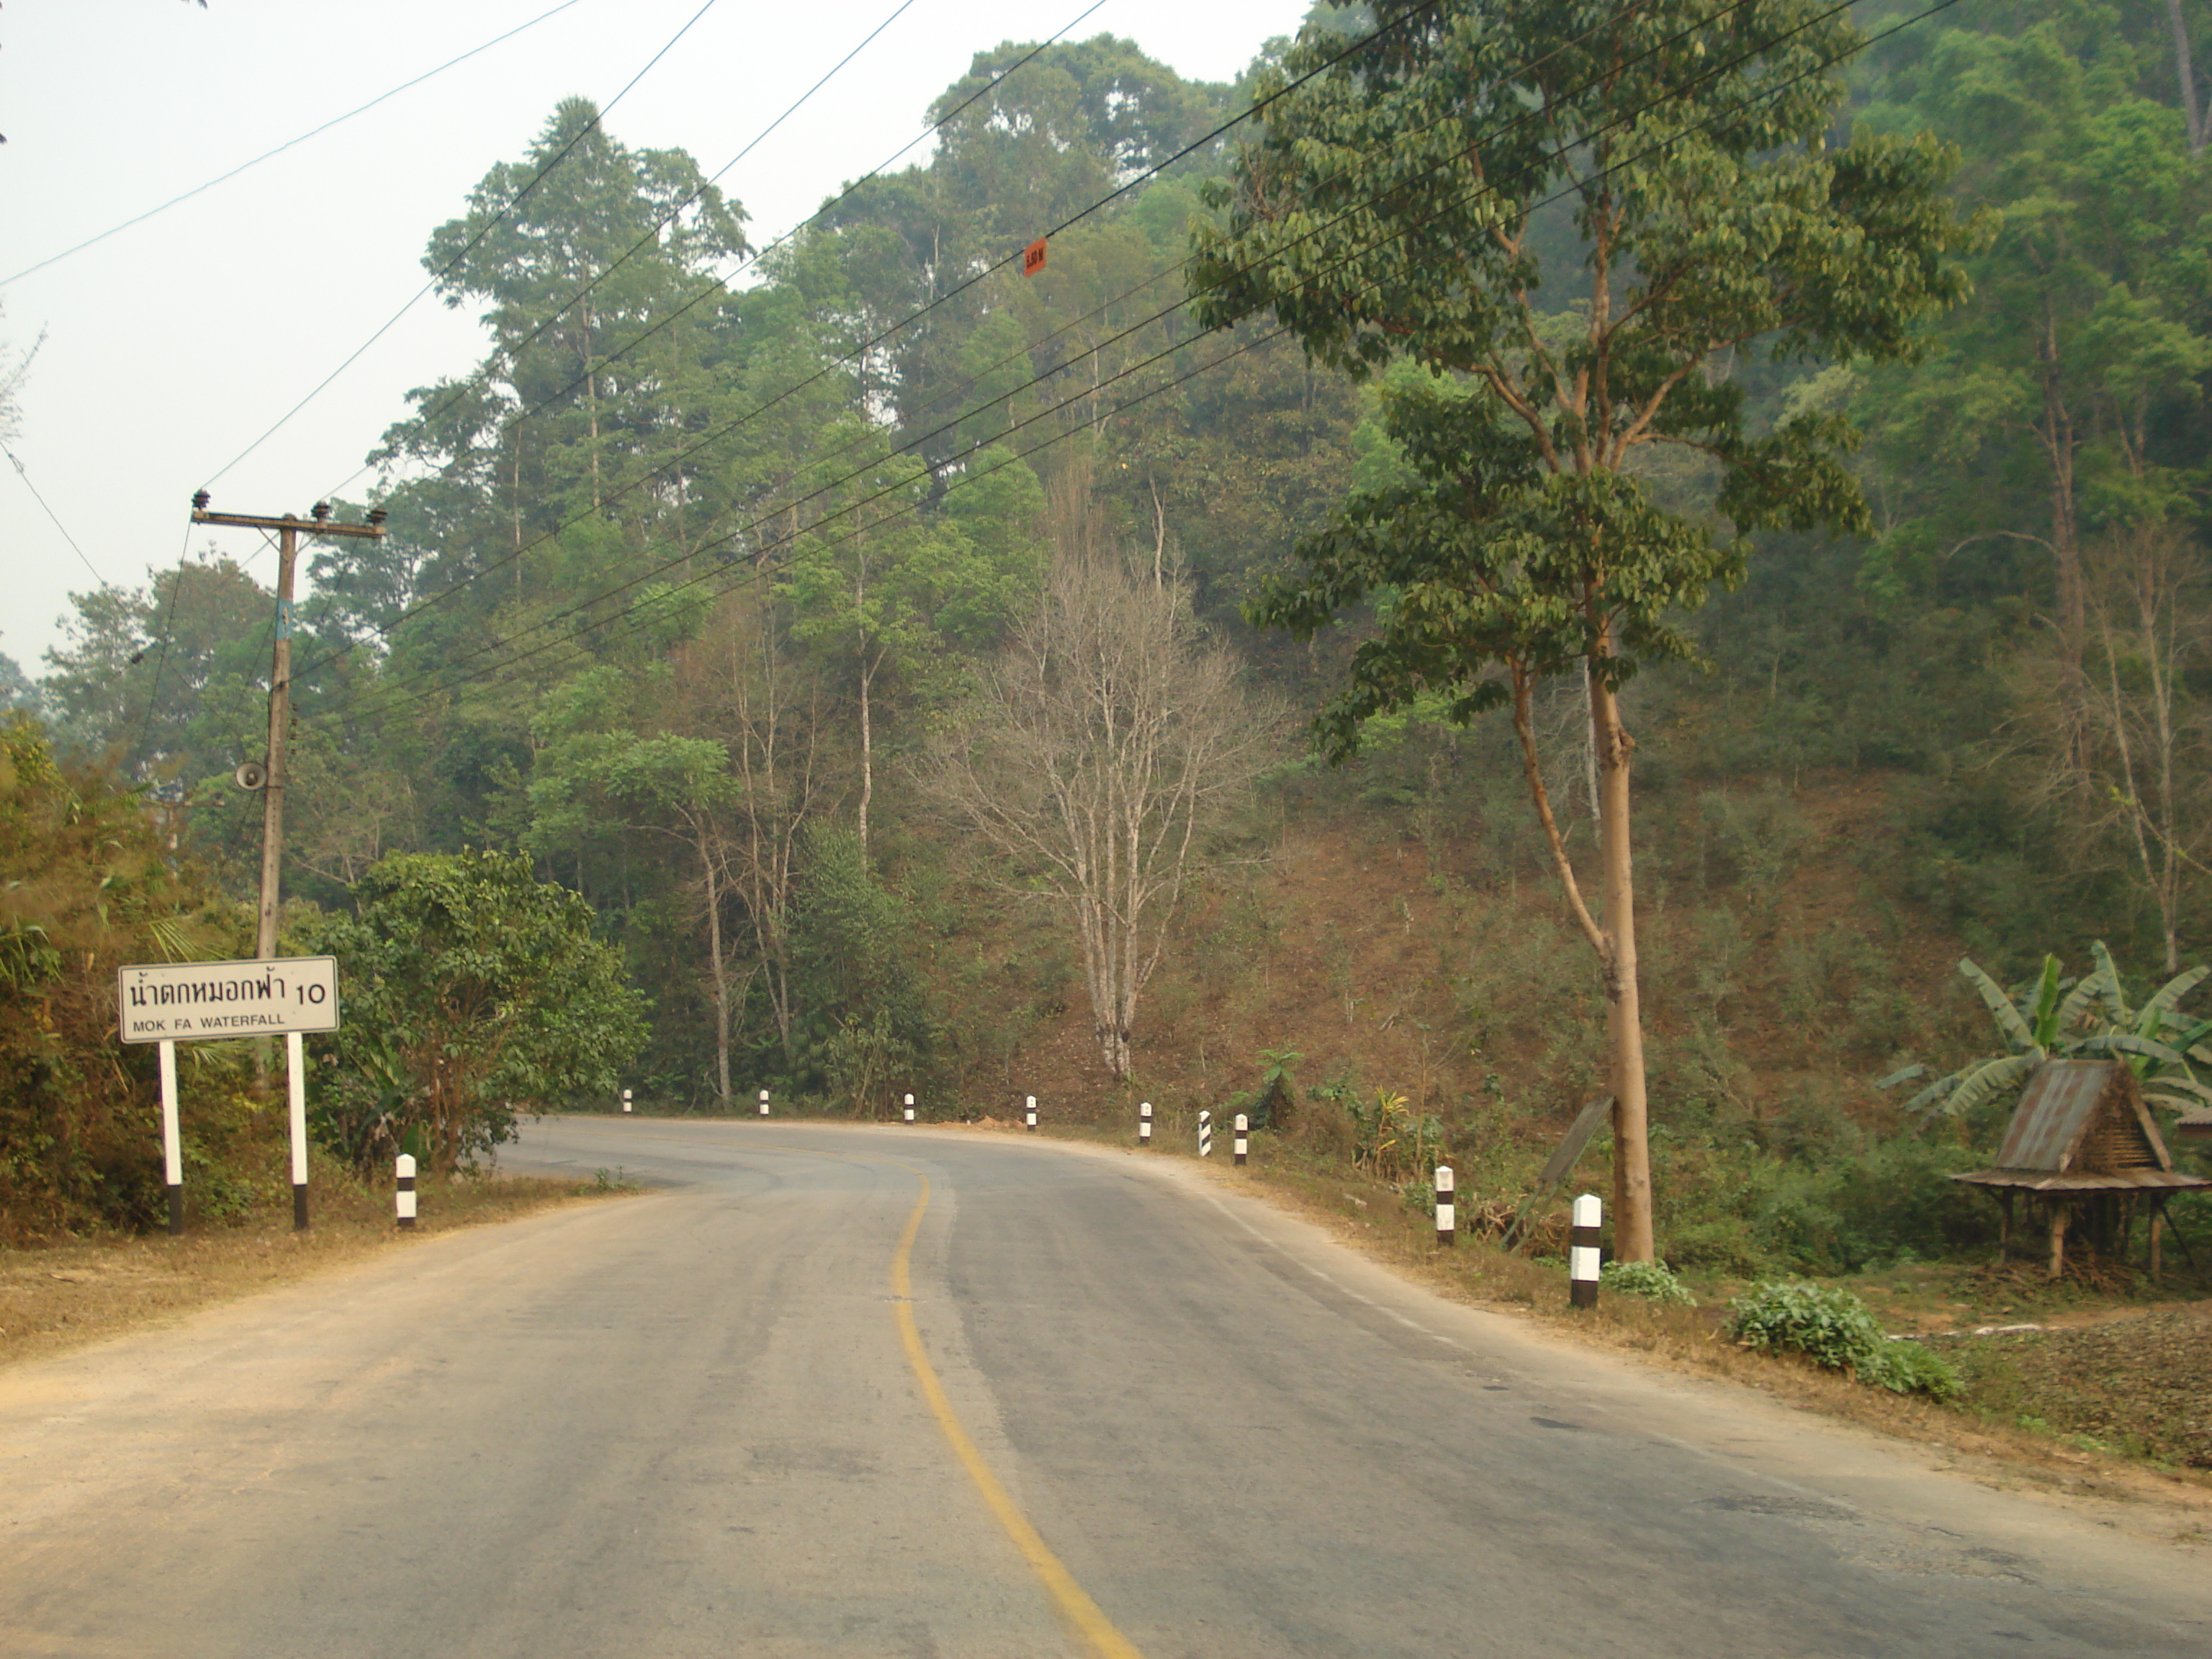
(1652,1280)
(1832,1327)
(1908,1367)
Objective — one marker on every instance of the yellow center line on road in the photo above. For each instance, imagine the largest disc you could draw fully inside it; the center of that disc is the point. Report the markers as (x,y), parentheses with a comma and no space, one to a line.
(1083,1614)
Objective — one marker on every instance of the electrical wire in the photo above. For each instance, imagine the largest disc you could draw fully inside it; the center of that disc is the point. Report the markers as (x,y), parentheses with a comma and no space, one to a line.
(481,376)
(392,706)
(869,344)
(289,144)
(917,441)
(23,473)
(447,270)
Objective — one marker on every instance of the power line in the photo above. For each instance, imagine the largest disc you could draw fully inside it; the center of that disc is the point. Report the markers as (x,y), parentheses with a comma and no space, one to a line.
(289,144)
(394,704)
(869,344)
(481,376)
(515,201)
(23,473)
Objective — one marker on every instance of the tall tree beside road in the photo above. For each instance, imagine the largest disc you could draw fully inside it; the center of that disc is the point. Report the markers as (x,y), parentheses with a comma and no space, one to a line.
(1390,210)
(1097,756)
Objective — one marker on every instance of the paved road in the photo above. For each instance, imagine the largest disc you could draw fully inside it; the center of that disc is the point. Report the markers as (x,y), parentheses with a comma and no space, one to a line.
(889,1392)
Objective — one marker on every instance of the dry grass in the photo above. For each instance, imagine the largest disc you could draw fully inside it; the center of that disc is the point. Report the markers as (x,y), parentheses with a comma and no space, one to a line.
(62,1296)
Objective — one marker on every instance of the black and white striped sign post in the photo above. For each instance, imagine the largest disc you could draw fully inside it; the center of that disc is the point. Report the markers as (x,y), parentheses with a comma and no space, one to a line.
(764,1103)
(1583,1250)
(1243,1143)
(1028,1115)
(295,1090)
(909,1109)
(625,1100)
(1206,1134)
(1144,1124)
(1447,1217)
(403,1200)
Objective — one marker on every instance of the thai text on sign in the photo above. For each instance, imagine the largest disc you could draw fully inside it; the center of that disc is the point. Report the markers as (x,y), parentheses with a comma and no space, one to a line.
(183,1001)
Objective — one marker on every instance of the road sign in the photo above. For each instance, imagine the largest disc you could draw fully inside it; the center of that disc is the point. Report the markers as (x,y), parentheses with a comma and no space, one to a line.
(189,1001)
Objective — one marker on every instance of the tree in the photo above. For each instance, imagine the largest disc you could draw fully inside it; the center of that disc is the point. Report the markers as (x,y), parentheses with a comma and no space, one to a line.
(2124,734)
(88,883)
(1098,755)
(472,990)
(1393,208)
(2053,1017)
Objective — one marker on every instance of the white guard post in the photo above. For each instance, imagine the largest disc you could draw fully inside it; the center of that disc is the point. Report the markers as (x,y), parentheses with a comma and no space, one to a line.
(909,1109)
(1144,1124)
(1206,1134)
(763,1097)
(1583,1250)
(1447,1217)
(1242,1142)
(404,1195)
(1029,1114)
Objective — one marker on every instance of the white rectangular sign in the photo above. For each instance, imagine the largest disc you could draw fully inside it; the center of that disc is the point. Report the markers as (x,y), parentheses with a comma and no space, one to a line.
(186,1001)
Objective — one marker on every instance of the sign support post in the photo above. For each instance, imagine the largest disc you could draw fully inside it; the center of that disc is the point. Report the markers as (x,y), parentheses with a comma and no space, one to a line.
(172,1002)
(172,1151)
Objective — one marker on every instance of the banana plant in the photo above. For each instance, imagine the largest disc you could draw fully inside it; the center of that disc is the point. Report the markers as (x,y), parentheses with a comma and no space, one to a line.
(2053,1017)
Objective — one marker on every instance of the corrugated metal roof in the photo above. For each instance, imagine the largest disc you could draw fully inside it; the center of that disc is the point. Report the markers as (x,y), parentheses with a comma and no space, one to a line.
(2043,1181)
(2060,1099)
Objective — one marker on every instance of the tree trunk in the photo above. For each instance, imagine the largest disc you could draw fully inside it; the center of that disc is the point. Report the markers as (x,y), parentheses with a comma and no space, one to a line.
(719,969)
(2191,111)
(1632,1239)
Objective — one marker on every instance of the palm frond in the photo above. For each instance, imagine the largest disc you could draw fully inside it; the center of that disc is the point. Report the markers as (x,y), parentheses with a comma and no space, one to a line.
(2115,994)
(2099,988)
(2120,1042)
(2044,1008)
(1991,1078)
(1902,1074)
(2009,1019)
(2193,1094)
(2162,1004)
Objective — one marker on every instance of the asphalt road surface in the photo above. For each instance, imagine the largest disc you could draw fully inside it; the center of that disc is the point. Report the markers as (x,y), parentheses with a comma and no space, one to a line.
(892,1392)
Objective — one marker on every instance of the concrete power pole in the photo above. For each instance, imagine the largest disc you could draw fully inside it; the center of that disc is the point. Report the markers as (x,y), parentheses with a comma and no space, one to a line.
(275,773)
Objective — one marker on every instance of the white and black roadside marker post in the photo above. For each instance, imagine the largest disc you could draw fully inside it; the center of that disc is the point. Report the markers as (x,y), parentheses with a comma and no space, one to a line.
(909,1109)
(763,1097)
(296,1089)
(1144,1124)
(1206,1134)
(172,1151)
(1243,1131)
(403,1200)
(625,1100)
(1028,1115)
(1583,1250)
(1447,1217)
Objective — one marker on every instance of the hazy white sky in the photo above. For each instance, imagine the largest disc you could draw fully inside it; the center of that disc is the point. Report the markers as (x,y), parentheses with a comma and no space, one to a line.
(171,347)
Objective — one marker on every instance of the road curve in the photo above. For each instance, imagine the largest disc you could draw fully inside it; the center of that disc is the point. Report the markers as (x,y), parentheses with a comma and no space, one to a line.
(845,1391)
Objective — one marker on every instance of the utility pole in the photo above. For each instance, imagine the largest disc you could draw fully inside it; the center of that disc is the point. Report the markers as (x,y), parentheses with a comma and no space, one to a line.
(273,774)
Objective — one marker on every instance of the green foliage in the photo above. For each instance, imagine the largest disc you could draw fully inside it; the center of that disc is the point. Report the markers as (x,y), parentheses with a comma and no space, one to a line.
(473,991)
(1651,1281)
(2052,1016)
(1387,215)
(1833,1328)
(1390,1140)
(88,884)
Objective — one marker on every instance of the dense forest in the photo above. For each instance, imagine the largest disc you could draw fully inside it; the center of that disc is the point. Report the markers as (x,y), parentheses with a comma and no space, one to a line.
(773,615)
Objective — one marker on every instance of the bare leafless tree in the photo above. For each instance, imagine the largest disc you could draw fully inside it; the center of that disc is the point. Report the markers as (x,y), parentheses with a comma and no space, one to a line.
(2135,771)
(1097,758)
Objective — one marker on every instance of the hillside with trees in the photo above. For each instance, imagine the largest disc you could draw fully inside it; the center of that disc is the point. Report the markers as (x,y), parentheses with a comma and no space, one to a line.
(1215,657)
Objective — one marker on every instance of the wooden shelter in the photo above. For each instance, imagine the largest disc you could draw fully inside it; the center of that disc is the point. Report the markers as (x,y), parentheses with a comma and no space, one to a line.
(2082,1147)
(2194,1125)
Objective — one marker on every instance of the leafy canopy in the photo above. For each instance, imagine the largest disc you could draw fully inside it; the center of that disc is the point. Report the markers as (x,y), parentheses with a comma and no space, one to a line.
(472,990)
(1406,204)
